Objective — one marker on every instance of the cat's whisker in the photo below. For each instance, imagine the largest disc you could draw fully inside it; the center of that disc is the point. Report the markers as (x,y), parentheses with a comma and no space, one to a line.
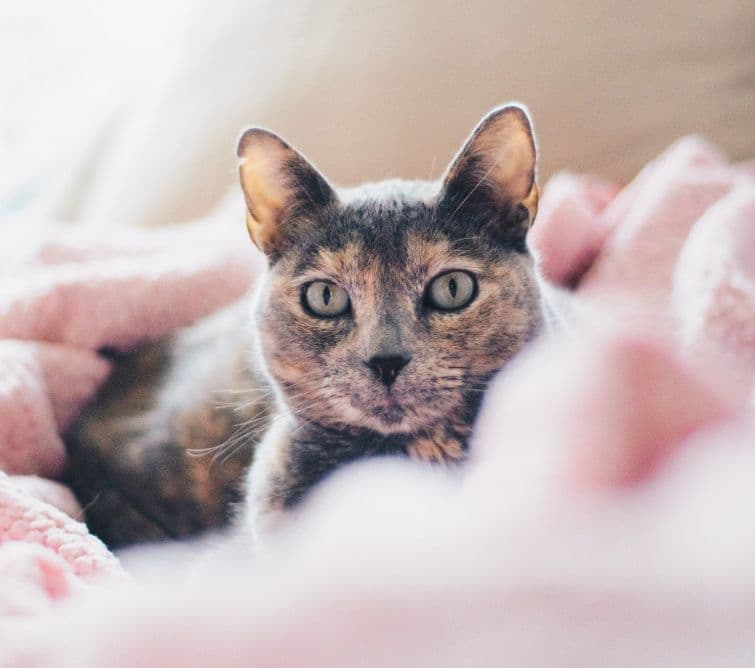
(232,452)
(482,180)
(251,397)
(242,390)
(243,435)
(230,448)
(432,167)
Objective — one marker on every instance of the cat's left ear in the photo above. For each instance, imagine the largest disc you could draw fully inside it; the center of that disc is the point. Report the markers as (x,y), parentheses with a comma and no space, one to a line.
(281,188)
(493,176)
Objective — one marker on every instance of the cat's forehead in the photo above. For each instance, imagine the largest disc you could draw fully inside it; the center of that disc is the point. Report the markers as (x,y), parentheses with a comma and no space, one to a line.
(387,226)
(381,216)
(419,257)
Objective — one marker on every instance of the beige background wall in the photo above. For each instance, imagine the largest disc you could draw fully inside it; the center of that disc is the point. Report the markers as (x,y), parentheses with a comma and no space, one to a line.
(391,88)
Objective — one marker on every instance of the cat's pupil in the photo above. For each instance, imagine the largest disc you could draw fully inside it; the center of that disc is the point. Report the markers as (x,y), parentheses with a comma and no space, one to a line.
(452,287)
(326,295)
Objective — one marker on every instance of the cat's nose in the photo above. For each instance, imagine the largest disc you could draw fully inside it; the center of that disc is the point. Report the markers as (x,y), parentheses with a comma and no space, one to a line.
(387,367)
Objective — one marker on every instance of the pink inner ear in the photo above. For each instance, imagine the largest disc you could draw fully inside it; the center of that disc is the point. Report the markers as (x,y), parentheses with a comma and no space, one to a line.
(568,232)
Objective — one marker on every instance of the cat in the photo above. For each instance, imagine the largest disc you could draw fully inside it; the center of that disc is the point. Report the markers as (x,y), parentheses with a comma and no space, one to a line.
(384,312)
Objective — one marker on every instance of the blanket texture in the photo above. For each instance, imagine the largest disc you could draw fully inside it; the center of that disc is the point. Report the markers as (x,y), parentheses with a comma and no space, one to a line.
(605,518)
(64,295)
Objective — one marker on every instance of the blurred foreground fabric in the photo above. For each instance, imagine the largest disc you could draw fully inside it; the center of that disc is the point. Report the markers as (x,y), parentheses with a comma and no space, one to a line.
(605,518)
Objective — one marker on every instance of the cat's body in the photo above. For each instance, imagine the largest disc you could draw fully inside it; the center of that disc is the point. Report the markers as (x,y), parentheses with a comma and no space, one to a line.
(154,457)
(384,313)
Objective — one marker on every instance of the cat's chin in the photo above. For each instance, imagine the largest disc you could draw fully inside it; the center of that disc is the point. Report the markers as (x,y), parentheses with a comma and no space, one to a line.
(387,417)
(390,414)
(390,428)
(386,414)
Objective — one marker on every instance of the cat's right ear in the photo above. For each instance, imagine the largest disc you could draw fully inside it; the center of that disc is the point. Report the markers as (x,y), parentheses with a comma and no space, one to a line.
(280,187)
(492,178)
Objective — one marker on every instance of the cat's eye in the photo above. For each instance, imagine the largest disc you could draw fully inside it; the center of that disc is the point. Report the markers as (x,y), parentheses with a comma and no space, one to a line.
(451,291)
(326,299)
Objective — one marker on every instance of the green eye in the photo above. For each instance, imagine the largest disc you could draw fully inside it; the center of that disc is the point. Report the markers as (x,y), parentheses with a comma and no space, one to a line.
(451,291)
(326,299)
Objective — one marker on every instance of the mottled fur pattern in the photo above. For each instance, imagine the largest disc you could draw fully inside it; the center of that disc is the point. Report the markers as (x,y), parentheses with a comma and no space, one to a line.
(381,243)
(162,452)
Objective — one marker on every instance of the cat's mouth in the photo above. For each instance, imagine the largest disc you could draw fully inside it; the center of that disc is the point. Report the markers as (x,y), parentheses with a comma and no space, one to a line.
(386,413)
(392,413)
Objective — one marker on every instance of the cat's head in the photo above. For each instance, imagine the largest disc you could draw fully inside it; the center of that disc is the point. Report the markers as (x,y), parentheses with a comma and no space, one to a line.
(390,306)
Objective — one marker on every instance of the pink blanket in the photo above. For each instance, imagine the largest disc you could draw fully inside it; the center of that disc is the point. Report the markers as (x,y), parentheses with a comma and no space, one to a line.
(64,294)
(606,517)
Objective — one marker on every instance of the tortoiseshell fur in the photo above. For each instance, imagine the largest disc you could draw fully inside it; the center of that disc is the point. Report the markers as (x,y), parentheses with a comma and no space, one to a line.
(383,244)
(307,376)
(161,453)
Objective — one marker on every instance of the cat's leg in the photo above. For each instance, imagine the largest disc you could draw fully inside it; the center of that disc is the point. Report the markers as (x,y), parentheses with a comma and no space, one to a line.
(269,480)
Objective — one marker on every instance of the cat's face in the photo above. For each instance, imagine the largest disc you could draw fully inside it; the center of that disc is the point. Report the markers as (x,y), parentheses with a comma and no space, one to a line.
(390,307)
